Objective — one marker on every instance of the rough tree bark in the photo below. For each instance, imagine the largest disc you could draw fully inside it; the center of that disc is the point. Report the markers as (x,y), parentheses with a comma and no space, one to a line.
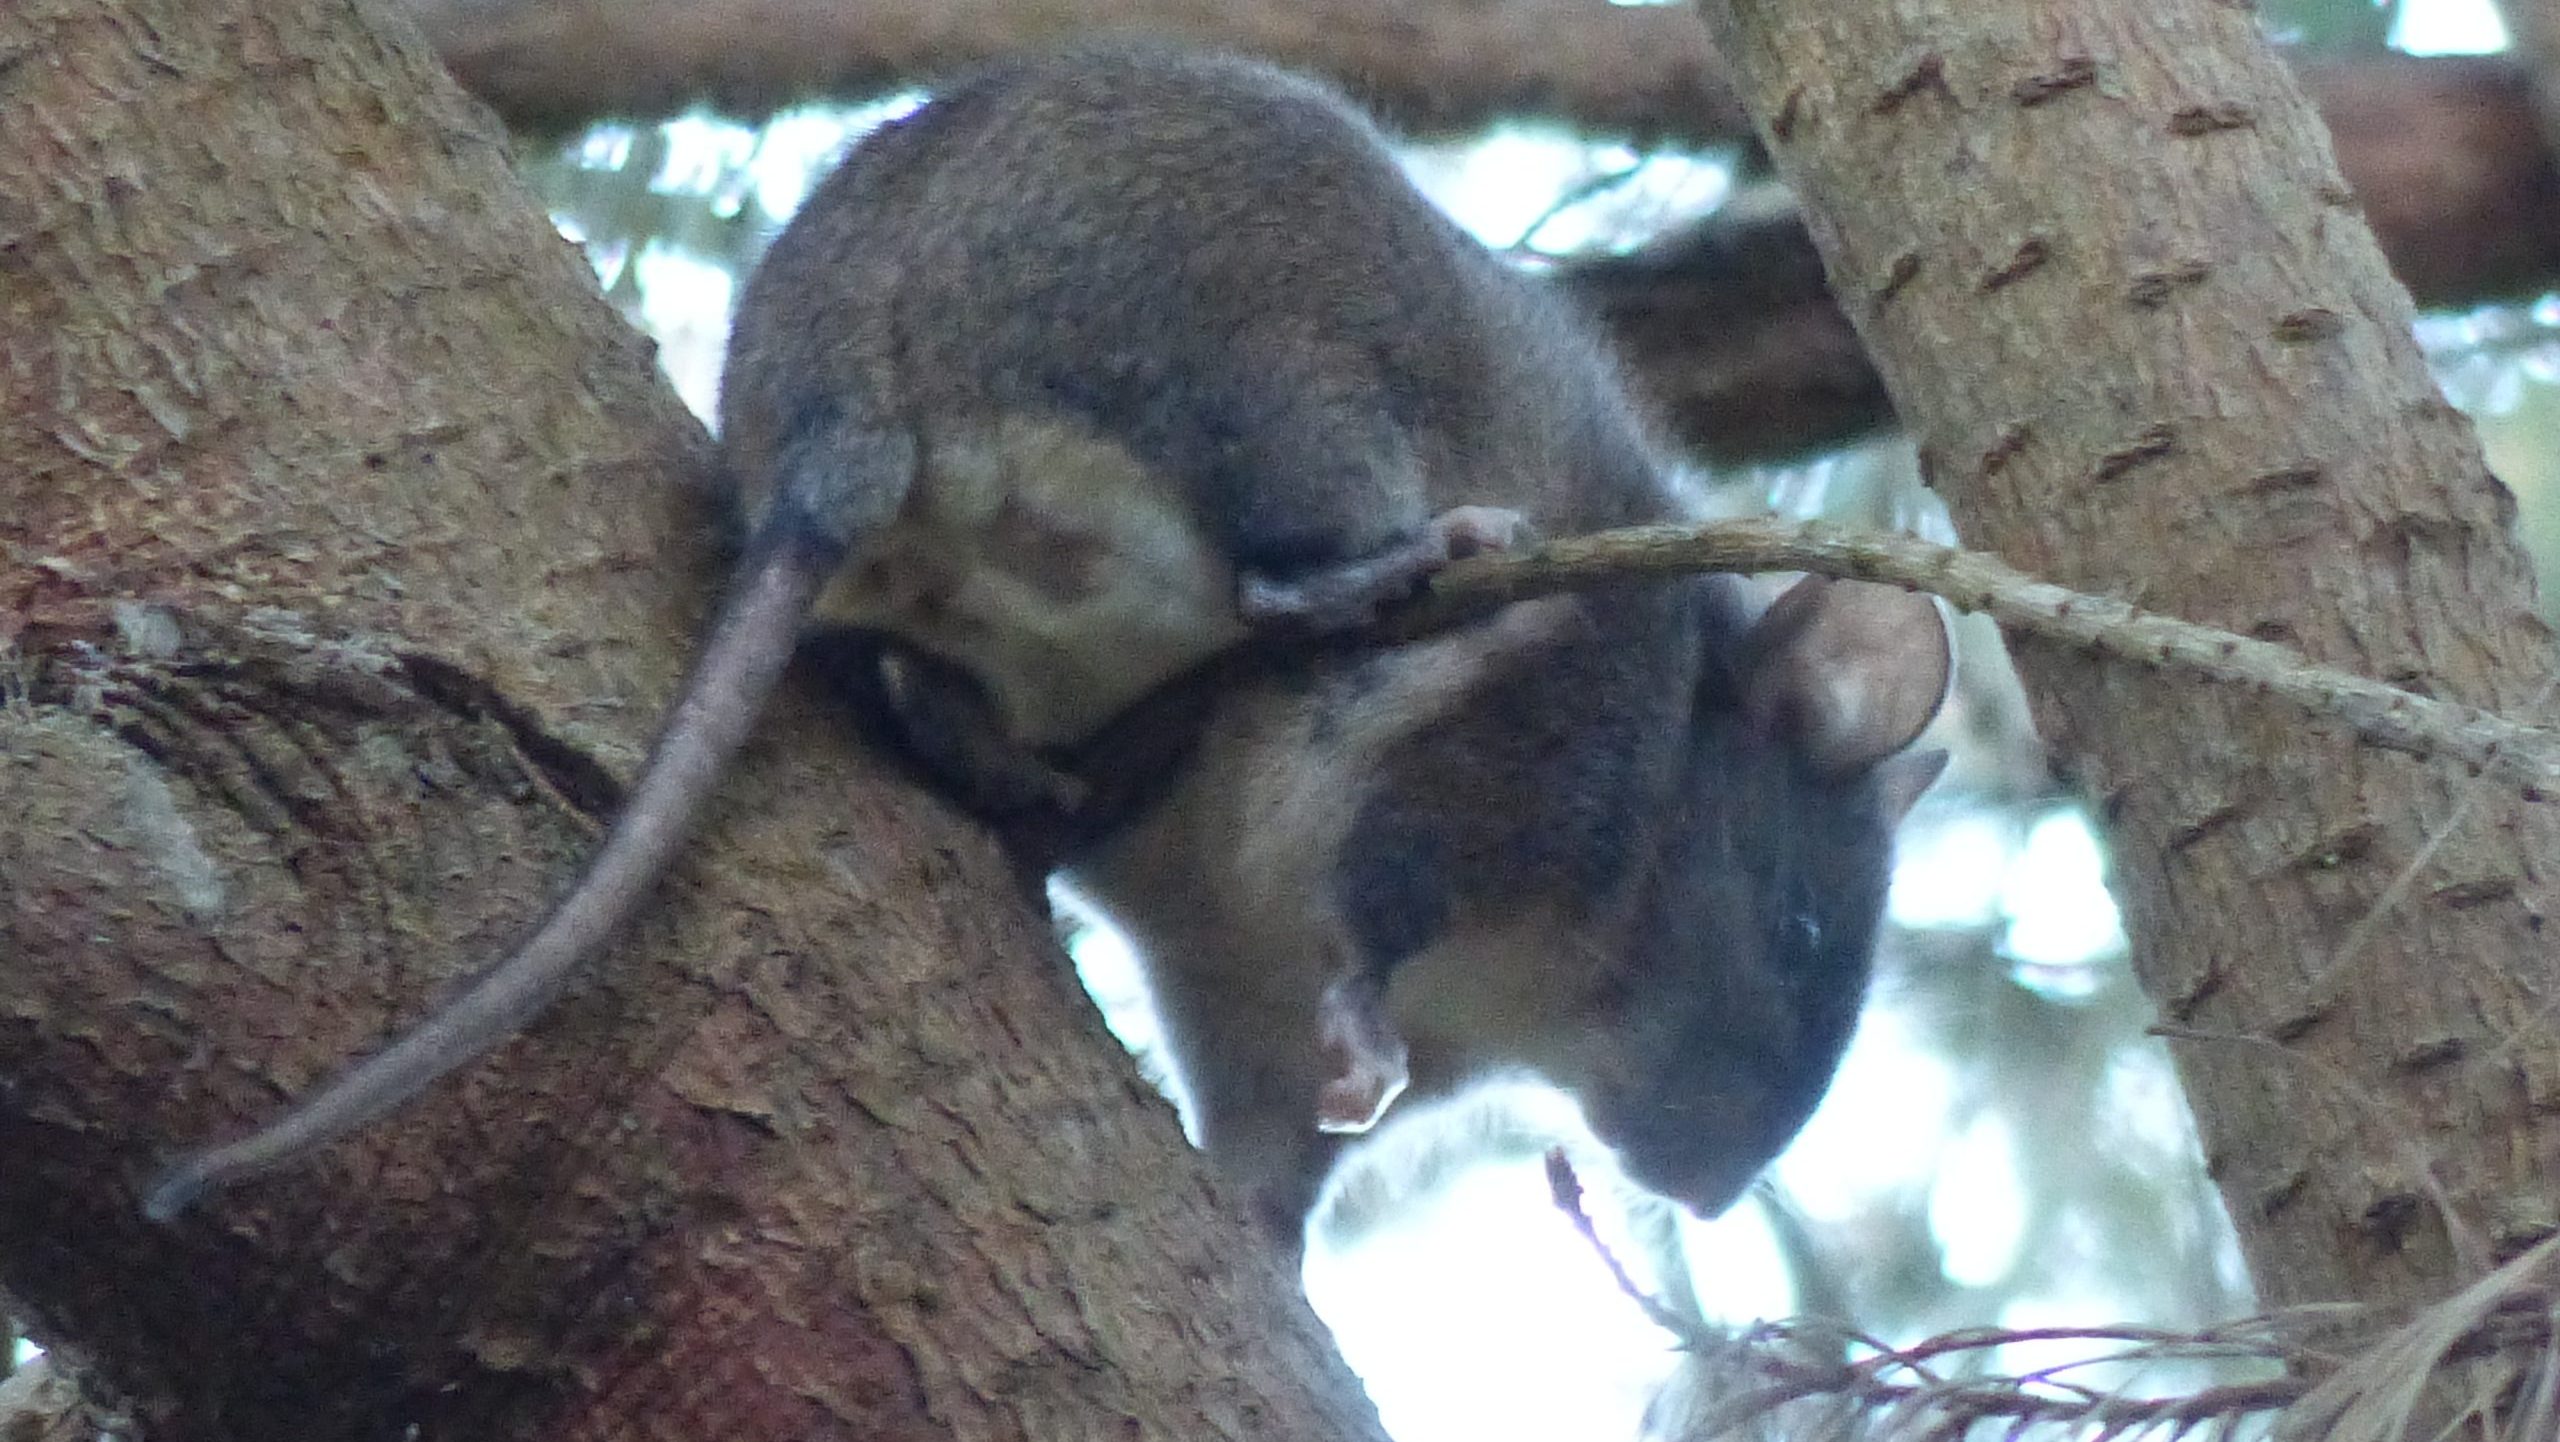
(348,544)
(2127,307)
(1739,346)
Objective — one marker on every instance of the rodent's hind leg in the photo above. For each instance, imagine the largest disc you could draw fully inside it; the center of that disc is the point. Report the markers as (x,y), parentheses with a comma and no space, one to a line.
(1338,594)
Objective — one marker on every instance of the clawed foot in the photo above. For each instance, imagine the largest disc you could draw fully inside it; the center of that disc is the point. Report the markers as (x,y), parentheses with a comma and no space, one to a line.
(1348,594)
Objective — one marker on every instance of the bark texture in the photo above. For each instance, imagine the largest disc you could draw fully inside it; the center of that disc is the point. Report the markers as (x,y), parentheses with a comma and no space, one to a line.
(2129,309)
(348,545)
(1734,337)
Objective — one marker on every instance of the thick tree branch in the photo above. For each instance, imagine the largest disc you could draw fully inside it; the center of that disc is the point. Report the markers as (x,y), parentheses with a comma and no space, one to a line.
(1641,70)
(349,544)
(1730,329)
(2147,347)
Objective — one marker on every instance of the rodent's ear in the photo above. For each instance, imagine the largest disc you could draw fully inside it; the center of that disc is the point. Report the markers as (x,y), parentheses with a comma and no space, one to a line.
(1848,672)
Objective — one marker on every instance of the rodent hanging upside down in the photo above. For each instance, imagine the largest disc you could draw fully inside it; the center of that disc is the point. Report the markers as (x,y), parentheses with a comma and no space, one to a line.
(1102,363)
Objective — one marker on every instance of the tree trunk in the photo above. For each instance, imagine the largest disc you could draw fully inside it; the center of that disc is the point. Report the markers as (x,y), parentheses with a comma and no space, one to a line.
(1738,345)
(2126,305)
(348,545)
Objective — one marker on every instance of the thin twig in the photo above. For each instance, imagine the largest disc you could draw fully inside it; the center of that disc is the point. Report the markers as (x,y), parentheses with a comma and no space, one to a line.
(1566,1187)
(2381,715)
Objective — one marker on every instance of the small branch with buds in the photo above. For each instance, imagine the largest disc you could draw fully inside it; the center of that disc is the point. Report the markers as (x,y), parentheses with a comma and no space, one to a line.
(2380,715)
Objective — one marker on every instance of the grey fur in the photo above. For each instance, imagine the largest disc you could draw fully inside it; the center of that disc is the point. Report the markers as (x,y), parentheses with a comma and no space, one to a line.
(1635,843)
(1071,379)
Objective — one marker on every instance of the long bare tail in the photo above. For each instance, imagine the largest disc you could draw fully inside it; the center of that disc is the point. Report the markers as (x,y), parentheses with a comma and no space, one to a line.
(738,666)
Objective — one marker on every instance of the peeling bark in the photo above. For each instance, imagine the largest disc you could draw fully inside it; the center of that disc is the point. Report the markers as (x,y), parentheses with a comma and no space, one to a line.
(2127,305)
(348,544)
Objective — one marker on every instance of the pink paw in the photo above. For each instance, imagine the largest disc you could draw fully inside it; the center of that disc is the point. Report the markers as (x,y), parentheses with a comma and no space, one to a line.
(1349,593)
